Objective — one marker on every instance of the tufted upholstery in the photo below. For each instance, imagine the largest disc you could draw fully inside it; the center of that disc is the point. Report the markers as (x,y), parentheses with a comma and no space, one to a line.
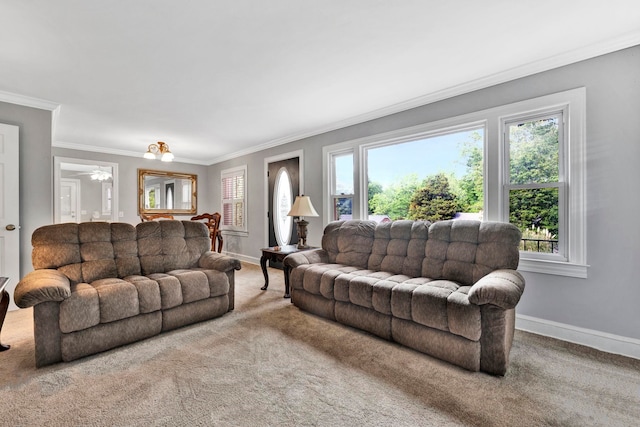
(90,277)
(412,276)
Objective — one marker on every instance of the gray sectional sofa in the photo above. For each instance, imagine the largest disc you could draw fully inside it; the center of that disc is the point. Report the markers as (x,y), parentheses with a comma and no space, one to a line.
(448,289)
(99,285)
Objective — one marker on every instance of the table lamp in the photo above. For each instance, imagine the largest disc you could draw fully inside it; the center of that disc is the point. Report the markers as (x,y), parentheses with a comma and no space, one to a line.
(302,207)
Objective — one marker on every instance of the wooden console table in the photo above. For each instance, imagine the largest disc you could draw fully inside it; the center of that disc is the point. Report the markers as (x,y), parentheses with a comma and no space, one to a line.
(4,306)
(278,255)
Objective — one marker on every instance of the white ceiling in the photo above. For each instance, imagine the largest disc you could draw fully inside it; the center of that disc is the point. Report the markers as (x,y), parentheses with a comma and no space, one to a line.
(216,78)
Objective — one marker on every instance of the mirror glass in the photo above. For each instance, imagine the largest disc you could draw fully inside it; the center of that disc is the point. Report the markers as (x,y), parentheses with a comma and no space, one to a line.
(166,192)
(85,190)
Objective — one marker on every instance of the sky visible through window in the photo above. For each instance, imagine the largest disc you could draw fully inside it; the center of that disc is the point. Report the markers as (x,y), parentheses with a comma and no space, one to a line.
(424,157)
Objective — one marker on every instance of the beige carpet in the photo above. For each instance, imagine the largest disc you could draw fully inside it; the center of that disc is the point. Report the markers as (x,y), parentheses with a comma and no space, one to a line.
(269,364)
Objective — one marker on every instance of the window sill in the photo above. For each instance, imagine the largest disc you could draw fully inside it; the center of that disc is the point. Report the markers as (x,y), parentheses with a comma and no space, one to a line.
(553,267)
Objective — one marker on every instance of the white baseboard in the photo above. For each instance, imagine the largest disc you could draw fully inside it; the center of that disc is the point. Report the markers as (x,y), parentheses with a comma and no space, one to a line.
(243,258)
(603,341)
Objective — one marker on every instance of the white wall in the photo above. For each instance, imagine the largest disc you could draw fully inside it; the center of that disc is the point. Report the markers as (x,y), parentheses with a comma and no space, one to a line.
(605,305)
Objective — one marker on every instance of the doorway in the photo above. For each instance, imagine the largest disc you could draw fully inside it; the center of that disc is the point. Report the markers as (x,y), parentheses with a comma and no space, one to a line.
(284,186)
(84,190)
(284,183)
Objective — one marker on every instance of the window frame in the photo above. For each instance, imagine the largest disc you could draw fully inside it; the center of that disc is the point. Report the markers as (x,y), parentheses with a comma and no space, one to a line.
(231,173)
(334,195)
(561,184)
(571,102)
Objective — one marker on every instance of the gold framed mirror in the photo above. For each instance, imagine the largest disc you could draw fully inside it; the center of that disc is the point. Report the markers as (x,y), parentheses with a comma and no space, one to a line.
(167,192)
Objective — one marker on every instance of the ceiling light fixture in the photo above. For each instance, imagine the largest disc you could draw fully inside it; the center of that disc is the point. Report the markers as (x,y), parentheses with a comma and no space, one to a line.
(100,175)
(162,149)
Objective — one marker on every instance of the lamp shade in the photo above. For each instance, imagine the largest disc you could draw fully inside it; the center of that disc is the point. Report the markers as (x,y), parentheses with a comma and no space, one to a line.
(302,206)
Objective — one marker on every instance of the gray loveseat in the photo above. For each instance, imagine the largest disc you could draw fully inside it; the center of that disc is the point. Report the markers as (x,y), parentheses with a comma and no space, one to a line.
(98,285)
(448,289)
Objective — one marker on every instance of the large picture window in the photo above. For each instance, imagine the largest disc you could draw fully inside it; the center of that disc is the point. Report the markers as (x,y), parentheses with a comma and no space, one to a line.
(433,177)
(522,163)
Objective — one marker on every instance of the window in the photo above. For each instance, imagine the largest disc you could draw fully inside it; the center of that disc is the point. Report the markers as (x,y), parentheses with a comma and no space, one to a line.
(152,197)
(432,176)
(107,197)
(522,163)
(342,186)
(234,199)
(282,203)
(534,183)
(186,195)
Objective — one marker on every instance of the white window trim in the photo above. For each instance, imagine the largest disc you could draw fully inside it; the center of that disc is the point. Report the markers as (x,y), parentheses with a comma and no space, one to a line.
(573,101)
(232,230)
(573,105)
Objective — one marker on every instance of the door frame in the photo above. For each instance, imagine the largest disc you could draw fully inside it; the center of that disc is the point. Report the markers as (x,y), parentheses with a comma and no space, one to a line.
(300,155)
(57,174)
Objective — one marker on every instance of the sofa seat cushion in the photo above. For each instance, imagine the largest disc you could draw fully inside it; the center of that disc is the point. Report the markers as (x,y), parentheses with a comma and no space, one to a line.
(183,286)
(148,293)
(439,304)
(318,279)
(105,301)
(218,281)
(194,284)
(357,286)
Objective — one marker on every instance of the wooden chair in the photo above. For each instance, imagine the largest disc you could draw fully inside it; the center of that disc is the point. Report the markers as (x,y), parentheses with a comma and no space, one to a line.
(152,217)
(213,224)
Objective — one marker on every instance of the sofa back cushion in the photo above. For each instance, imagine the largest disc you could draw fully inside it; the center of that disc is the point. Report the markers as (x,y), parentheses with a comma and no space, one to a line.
(171,245)
(349,242)
(87,251)
(464,251)
(399,247)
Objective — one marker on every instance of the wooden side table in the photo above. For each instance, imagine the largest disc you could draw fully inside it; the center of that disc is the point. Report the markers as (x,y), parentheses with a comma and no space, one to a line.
(278,254)
(4,306)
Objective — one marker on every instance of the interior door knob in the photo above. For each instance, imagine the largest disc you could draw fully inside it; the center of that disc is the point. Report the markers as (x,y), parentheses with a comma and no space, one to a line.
(10,227)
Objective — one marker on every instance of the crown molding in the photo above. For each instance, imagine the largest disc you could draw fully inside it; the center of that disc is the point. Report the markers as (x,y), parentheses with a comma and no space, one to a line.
(557,61)
(28,101)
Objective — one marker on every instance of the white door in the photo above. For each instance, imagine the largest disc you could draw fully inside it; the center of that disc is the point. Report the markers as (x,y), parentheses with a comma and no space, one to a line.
(69,200)
(9,208)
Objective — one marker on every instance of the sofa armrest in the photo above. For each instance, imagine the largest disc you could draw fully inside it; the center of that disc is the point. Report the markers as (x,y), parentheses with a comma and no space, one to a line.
(41,286)
(502,288)
(215,261)
(307,257)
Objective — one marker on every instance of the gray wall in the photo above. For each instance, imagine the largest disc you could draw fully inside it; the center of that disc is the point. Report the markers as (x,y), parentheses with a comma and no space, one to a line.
(608,300)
